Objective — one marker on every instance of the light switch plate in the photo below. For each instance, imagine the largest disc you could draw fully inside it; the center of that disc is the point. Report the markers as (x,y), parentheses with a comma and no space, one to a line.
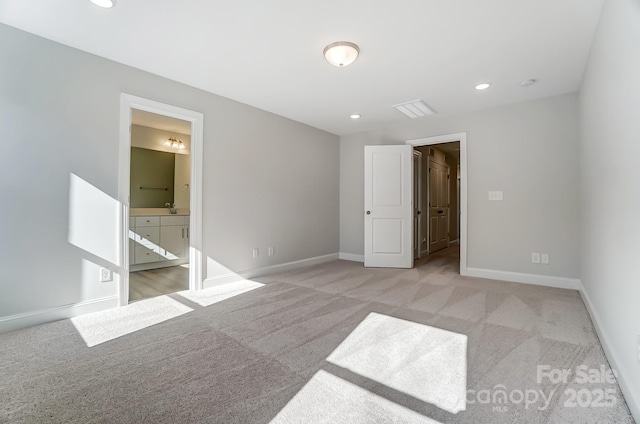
(544,258)
(535,258)
(495,195)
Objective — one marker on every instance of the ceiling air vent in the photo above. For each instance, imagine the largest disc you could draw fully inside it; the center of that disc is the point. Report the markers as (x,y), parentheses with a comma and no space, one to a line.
(414,109)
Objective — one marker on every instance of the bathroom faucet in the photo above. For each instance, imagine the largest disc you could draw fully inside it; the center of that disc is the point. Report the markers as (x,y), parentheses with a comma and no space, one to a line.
(172,209)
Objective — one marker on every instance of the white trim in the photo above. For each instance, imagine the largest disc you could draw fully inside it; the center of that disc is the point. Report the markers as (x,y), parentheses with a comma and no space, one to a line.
(257,272)
(128,102)
(28,319)
(519,277)
(631,394)
(351,257)
(450,138)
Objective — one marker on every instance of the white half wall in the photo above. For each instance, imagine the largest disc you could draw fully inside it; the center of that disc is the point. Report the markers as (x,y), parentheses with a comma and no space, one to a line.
(527,150)
(609,186)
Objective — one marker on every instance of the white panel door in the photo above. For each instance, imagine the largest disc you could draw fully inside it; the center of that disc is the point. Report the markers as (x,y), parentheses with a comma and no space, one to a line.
(438,206)
(388,208)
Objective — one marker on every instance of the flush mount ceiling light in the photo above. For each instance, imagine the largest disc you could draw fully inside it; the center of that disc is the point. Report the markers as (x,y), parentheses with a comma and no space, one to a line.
(103,3)
(528,83)
(355,116)
(175,143)
(414,109)
(341,53)
(483,86)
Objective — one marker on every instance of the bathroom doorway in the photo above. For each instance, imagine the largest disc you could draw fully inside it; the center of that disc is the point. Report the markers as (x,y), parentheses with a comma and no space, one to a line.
(161,194)
(159,207)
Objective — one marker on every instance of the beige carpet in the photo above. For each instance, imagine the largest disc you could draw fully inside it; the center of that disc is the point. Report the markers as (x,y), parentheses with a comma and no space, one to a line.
(331,343)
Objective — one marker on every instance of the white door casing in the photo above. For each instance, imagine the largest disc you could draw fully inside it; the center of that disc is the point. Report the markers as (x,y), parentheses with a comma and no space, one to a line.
(448,138)
(127,103)
(388,208)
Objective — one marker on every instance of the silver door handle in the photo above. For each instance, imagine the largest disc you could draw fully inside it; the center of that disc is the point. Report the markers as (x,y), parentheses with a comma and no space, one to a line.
(368,212)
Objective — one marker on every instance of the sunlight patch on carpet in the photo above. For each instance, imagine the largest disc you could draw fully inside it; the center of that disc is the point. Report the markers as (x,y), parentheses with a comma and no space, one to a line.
(427,363)
(103,326)
(329,399)
(212,295)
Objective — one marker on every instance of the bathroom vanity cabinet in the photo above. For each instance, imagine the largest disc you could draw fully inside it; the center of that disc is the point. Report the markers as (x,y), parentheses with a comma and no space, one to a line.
(157,241)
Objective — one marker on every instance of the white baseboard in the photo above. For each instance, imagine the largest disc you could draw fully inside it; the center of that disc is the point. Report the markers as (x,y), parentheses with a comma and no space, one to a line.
(18,321)
(252,273)
(351,257)
(517,277)
(631,394)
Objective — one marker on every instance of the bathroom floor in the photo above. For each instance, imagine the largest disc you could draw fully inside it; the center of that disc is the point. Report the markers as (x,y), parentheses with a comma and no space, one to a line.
(157,282)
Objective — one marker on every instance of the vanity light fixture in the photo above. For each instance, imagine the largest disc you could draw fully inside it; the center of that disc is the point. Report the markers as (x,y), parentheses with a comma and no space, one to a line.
(175,143)
(355,116)
(103,3)
(341,53)
(483,86)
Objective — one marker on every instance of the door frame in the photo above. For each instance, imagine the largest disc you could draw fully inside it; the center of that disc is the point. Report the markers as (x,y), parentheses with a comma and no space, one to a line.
(451,138)
(417,190)
(127,103)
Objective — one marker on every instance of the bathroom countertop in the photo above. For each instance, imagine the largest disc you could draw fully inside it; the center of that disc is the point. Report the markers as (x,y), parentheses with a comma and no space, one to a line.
(157,211)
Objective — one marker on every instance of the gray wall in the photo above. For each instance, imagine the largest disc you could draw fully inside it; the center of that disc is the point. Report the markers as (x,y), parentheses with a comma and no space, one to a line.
(609,186)
(528,150)
(268,181)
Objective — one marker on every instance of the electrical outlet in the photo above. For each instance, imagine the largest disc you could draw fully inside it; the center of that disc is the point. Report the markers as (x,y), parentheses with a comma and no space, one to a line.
(535,258)
(544,258)
(256,252)
(271,252)
(105,275)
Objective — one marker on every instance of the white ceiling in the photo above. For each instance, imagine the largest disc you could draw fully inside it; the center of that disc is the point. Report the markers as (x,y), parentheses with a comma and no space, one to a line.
(269,53)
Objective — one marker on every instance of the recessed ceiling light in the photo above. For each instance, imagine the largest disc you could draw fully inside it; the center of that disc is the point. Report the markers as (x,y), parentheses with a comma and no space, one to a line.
(483,86)
(341,53)
(528,83)
(103,3)
(355,116)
